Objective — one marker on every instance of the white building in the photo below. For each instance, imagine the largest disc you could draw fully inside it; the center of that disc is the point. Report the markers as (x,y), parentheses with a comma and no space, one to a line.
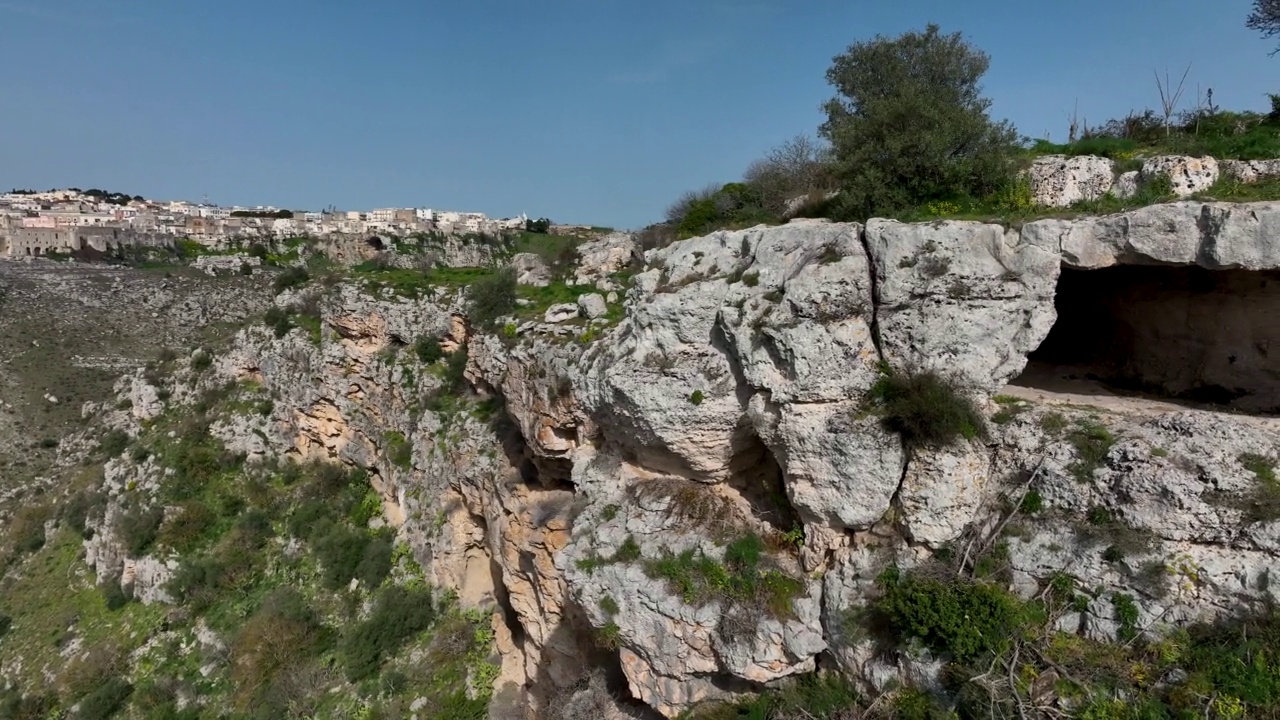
(425,214)
(383,216)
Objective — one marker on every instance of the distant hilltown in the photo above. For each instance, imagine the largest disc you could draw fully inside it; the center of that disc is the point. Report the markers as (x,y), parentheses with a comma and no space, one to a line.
(33,223)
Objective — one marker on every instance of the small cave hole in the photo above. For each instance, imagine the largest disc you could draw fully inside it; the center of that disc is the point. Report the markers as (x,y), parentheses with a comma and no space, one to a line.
(757,476)
(1178,333)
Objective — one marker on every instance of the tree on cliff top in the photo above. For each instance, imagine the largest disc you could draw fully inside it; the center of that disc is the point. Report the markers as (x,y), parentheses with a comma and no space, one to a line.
(909,124)
(1265,18)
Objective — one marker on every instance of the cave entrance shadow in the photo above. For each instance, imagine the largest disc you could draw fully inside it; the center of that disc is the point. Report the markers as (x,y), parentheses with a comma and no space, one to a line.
(1184,335)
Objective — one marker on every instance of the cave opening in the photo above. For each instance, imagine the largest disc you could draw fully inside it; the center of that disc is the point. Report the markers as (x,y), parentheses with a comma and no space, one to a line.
(1178,333)
(756,475)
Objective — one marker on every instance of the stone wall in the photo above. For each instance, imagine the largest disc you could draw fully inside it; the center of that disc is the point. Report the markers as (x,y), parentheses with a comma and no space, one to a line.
(35,242)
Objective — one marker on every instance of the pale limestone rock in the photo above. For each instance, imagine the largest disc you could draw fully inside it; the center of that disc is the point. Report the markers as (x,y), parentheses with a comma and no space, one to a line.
(1211,235)
(670,651)
(963,298)
(1059,181)
(560,313)
(840,470)
(607,255)
(1126,185)
(942,491)
(214,264)
(1187,175)
(531,270)
(1250,171)
(592,305)
(144,399)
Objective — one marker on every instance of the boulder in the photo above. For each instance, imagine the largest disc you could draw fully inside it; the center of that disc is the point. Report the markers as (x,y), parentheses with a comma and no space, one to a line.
(942,490)
(1126,186)
(531,270)
(593,305)
(1187,175)
(1250,171)
(1061,181)
(964,298)
(605,256)
(561,312)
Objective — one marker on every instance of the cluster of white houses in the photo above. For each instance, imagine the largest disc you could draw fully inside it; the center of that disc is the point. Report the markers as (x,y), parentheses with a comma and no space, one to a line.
(34,223)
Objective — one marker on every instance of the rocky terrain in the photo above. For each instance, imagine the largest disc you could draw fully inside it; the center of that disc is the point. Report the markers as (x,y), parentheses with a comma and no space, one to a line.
(692,490)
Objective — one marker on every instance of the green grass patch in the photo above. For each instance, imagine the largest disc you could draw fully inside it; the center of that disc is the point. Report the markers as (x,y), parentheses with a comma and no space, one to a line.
(740,581)
(1092,442)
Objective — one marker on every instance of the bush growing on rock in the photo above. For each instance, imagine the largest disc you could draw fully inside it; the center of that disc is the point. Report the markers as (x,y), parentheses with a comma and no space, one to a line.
(959,618)
(489,298)
(398,614)
(138,528)
(927,409)
(113,443)
(290,278)
(428,350)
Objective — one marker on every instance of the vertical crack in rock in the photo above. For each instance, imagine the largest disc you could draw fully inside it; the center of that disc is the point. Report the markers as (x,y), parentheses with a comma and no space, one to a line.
(872,271)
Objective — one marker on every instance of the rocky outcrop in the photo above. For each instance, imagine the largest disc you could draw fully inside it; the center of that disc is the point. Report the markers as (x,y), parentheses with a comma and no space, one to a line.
(1186,175)
(1208,235)
(1250,171)
(600,258)
(721,430)
(1061,181)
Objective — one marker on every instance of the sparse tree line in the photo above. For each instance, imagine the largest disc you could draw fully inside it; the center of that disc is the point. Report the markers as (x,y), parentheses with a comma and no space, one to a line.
(908,132)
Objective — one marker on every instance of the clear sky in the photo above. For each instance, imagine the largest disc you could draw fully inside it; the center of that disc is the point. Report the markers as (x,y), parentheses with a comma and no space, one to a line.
(594,111)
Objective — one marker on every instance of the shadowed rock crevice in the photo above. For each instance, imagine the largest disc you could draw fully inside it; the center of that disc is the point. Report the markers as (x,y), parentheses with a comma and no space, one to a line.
(757,477)
(1179,332)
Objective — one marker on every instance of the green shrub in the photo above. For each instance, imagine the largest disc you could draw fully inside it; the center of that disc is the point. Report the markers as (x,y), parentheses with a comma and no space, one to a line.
(113,595)
(962,619)
(105,701)
(926,409)
(1262,468)
(277,318)
(375,562)
(185,530)
(397,614)
(1032,503)
(80,508)
(697,397)
(340,551)
(138,528)
(739,581)
(1263,502)
(1126,616)
(6,622)
(291,277)
(202,360)
(428,350)
(113,443)
(491,297)
(399,449)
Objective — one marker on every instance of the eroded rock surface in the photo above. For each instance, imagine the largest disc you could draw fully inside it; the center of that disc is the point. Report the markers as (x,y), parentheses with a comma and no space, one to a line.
(728,408)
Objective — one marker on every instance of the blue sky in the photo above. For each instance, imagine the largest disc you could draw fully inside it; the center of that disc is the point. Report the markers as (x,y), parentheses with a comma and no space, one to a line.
(595,111)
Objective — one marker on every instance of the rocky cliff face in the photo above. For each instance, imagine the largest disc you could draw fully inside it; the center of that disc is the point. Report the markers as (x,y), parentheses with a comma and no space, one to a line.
(697,497)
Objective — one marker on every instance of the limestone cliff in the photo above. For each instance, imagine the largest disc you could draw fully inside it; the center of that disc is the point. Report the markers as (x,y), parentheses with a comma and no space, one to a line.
(722,423)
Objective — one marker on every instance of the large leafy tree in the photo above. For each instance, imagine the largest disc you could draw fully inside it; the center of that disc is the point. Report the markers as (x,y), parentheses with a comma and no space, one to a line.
(909,124)
(1265,18)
